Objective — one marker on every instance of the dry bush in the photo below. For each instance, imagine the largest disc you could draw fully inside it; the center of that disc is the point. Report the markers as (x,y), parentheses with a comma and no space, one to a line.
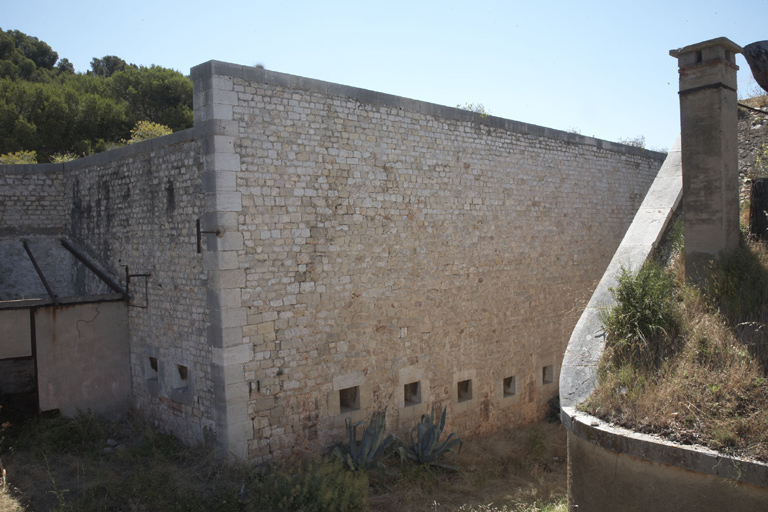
(713,390)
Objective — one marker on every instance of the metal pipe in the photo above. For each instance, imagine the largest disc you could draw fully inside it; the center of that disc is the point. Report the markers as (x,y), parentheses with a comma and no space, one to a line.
(40,273)
(752,108)
(101,275)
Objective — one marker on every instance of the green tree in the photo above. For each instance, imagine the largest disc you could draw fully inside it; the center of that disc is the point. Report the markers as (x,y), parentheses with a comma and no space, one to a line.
(107,66)
(155,94)
(70,116)
(50,109)
(25,57)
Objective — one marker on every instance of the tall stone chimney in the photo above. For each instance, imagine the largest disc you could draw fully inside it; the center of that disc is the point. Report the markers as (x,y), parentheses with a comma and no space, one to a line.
(708,122)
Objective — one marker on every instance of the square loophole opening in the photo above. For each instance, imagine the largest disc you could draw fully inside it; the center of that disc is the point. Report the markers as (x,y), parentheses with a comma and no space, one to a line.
(464,390)
(412,393)
(548,374)
(180,376)
(151,369)
(510,386)
(349,399)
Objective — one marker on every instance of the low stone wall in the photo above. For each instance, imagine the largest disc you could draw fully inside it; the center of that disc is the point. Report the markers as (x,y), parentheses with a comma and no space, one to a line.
(612,468)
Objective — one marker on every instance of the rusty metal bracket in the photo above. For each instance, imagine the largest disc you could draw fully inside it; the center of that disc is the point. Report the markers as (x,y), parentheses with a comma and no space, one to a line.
(146,277)
(200,236)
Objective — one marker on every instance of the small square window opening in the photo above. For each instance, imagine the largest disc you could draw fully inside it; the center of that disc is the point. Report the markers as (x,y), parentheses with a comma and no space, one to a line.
(412,393)
(464,390)
(151,369)
(548,374)
(510,386)
(349,399)
(180,382)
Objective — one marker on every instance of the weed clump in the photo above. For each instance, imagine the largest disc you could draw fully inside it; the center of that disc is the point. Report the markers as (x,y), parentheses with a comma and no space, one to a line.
(644,322)
(322,485)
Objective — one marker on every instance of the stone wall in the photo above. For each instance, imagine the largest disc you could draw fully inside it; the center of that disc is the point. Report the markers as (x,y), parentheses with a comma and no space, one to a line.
(137,206)
(33,199)
(361,251)
(384,252)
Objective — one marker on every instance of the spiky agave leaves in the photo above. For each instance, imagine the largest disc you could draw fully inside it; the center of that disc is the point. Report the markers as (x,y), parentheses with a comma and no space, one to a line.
(426,448)
(365,454)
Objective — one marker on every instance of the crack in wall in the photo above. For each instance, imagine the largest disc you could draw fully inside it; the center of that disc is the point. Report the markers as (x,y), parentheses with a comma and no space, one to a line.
(78,322)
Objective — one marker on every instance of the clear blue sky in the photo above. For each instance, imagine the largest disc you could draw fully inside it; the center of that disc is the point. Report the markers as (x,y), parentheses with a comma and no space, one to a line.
(600,67)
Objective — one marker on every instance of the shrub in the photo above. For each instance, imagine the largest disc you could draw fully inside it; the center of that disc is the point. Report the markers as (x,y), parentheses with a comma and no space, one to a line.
(477,108)
(760,170)
(145,130)
(18,158)
(645,318)
(638,142)
(58,158)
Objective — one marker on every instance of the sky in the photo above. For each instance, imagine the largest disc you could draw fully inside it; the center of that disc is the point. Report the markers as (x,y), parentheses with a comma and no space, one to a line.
(600,68)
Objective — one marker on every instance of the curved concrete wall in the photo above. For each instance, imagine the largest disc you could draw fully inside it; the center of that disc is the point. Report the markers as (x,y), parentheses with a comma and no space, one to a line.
(616,469)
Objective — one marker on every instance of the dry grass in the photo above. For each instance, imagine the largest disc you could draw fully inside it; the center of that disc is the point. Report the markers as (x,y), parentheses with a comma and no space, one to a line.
(68,465)
(712,389)
(522,469)
(758,101)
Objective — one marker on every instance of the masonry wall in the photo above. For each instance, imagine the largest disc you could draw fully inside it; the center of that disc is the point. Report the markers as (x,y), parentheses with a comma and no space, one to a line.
(137,206)
(362,251)
(381,242)
(33,199)
(139,210)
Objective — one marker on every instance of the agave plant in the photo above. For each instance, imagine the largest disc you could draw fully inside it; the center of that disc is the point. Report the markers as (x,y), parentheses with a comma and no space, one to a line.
(426,448)
(364,455)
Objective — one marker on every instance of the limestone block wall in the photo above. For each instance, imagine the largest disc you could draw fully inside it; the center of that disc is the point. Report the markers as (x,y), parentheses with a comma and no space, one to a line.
(33,199)
(382,252)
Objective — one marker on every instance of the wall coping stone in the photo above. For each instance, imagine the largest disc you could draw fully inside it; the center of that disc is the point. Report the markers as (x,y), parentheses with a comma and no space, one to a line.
(208,69)
(578,374)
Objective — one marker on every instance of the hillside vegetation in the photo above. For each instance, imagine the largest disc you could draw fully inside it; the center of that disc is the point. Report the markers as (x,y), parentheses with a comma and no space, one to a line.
(691,363)
(48,109)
